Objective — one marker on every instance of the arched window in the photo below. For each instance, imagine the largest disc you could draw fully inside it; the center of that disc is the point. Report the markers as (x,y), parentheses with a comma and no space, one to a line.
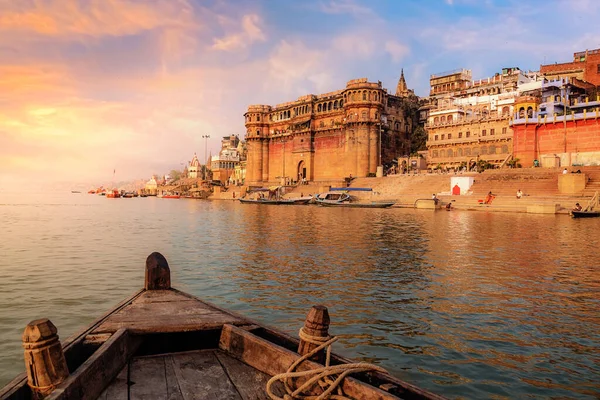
(330,106)
(435,153)
(505,111)
(341,103)
(449,153)
(397,126)
(442,153)
(449,119)
(364,115)
(529,112)
(258,118)
(436,120)
(492,149)
(522,112)
(257,132)
(443,119)
(335,105)
(353,97)
(468,151)
(364,95)
(319,108)
(460,152)
(504,149)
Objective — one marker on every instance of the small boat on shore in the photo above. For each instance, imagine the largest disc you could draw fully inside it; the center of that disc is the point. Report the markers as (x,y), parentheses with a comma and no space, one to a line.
(340,197)
(302,200)
(263,200)
(162,343)
(113,194)
(332,197)
(358,204)
(584,214)
(590,211)
(274,197)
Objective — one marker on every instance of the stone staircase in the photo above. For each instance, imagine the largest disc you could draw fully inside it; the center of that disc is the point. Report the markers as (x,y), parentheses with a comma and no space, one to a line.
(539,186)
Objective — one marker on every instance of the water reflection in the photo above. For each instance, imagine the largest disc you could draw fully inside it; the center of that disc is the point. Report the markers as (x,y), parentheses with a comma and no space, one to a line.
(465,304)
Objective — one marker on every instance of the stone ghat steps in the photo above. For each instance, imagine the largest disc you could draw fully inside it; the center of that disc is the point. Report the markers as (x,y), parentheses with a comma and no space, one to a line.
(405,189)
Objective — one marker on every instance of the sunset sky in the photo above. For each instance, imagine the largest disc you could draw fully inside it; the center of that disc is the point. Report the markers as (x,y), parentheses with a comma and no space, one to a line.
(92,86)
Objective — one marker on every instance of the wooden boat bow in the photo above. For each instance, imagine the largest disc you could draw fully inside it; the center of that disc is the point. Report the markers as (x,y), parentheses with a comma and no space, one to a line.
(163,343)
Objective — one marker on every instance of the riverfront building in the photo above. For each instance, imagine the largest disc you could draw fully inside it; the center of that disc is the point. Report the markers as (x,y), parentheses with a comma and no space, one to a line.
(329,136)
(227,166)
(193,168)
(559,126)
(585,67)
(468,120)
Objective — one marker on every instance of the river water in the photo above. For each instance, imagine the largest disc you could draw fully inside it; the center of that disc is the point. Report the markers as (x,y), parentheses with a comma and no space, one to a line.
(465,304)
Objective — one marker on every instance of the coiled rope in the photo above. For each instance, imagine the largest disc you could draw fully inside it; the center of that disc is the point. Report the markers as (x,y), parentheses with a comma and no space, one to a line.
(325,376)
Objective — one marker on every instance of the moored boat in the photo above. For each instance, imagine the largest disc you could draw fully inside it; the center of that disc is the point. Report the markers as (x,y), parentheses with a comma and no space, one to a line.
(163,343)
(590,211)
(169,196)
(358,204)
(302,200)
(262,200)
(274,196)
(584,214)
(113,194)
(332,197)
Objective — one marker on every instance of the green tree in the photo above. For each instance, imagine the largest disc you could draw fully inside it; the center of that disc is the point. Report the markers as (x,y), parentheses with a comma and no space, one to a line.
(418,140)
(175,175)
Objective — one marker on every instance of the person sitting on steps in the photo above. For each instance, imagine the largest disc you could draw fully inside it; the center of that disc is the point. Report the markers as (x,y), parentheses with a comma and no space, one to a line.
(577,207)
(489,198)
(519,194)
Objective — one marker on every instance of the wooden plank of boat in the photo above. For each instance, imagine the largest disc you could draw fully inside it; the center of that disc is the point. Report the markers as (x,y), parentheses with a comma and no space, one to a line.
(163,343)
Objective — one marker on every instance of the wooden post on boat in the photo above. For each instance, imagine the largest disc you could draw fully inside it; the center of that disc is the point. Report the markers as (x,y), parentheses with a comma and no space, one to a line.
(314,332)
(158,274)
(45,361)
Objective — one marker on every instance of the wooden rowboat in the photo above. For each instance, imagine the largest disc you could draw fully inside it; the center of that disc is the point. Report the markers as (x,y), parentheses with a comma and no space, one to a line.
(165,344)
(584,214)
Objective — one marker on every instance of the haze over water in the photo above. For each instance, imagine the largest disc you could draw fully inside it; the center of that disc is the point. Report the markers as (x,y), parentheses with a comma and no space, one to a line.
(465,304)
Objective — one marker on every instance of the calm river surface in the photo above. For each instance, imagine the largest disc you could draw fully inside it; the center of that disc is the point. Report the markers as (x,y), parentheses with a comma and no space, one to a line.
(466,304)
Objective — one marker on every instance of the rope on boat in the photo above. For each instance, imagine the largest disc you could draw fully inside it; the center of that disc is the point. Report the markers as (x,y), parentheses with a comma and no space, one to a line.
(329,377)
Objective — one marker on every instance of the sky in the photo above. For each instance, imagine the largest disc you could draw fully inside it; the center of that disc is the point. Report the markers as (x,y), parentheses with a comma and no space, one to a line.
(91,89)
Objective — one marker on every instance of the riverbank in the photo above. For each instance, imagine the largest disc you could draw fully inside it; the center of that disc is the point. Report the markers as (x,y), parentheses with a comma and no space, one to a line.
(540,187)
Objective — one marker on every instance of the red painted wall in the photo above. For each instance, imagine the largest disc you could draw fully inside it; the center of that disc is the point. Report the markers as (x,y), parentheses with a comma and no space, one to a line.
(530,141)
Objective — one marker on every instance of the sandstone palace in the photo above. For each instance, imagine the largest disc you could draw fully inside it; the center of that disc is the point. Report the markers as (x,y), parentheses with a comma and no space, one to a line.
(350,132)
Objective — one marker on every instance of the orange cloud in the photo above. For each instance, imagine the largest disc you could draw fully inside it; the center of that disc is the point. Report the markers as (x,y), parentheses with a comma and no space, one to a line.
(96,18)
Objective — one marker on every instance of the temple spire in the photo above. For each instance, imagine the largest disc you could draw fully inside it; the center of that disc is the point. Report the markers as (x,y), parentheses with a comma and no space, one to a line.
(402,89)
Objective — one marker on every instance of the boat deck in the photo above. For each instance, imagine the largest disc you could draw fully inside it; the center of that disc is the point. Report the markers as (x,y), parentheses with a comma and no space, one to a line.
(201,374)
(162,311)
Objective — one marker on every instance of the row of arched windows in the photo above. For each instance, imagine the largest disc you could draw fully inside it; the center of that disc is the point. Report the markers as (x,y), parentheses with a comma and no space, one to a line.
(332,105)
(528,112)
(363,95)
(468,151)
